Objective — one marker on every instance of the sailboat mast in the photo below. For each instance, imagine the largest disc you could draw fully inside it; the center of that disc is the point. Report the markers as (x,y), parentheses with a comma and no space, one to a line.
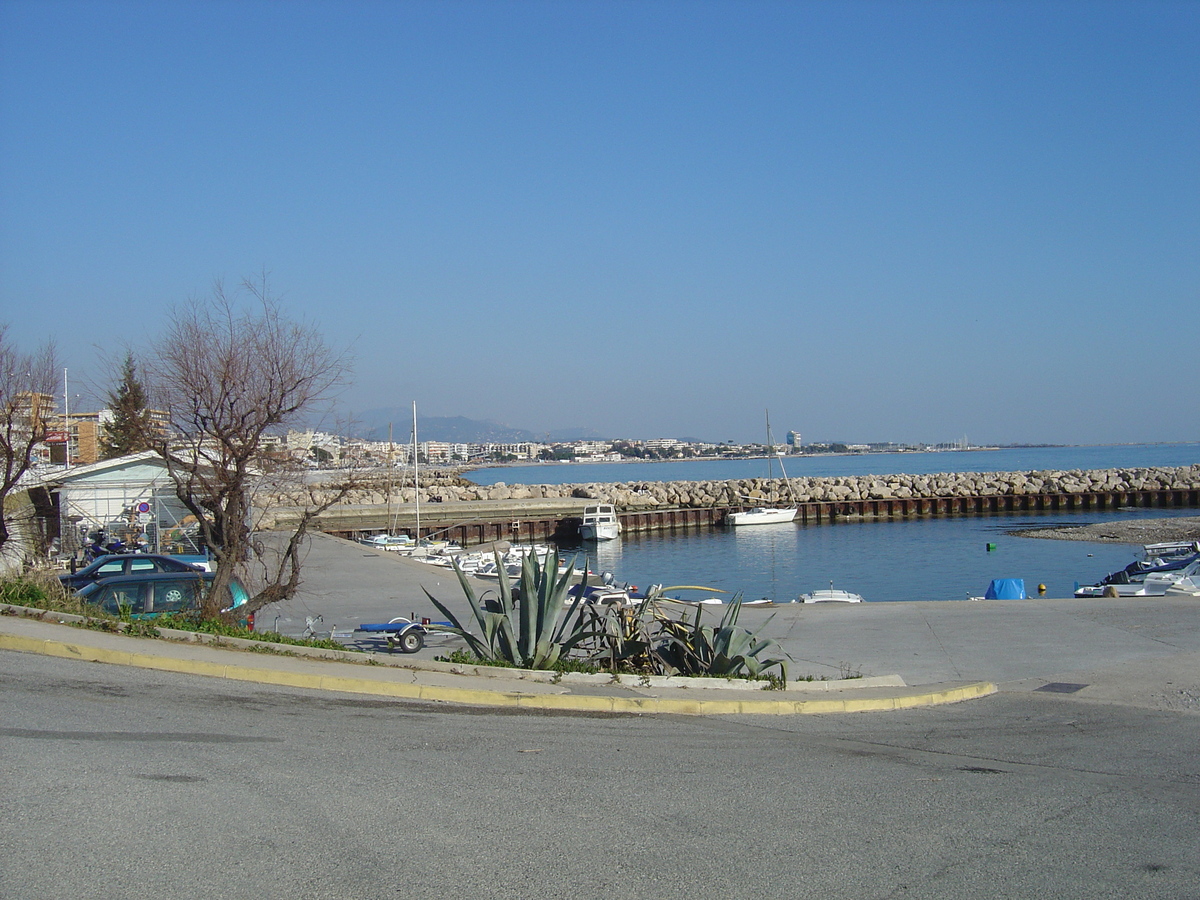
(416,474)
(770,447)
(391,529)
(771,453)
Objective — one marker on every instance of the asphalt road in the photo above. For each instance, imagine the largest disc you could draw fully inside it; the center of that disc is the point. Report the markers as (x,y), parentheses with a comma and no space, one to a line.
(123,783)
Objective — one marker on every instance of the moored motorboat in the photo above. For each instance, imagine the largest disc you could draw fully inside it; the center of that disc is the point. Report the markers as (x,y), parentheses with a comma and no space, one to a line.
(1155,584)
(1154,560)
(600,523)
(1188,586)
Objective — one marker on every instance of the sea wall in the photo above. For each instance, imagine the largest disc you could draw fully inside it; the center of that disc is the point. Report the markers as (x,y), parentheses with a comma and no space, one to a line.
(704,494)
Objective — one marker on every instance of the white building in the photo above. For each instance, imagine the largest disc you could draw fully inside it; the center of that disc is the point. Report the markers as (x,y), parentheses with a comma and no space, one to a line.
(124,497)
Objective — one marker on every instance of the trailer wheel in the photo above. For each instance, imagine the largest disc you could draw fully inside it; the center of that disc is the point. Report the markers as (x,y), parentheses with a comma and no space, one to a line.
(411,641)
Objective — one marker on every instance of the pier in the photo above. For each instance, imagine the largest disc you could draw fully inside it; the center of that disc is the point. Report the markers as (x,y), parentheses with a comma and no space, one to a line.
(480,522)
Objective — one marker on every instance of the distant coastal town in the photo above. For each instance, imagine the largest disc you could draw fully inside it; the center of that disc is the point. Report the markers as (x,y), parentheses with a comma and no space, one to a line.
(324,449)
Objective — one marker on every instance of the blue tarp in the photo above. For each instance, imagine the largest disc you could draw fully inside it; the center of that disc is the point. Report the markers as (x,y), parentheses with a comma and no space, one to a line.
(1006,589)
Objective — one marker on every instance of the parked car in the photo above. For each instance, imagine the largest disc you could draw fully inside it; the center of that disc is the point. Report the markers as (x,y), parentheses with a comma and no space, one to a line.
(124,564)
(150,595)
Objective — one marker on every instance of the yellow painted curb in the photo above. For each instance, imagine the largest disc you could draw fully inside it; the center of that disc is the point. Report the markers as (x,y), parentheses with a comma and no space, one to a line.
(477,697)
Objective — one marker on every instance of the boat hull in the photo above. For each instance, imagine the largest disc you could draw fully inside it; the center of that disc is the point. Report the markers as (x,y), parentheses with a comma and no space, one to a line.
(830,596)
(600,531)
(761,516)
(600,523)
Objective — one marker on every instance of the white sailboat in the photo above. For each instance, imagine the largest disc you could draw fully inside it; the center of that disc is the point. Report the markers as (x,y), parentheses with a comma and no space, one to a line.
(767,515)
(389,540)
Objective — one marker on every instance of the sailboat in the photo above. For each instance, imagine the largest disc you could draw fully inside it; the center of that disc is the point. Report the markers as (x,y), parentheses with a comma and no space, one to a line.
(767,515)
(389,540)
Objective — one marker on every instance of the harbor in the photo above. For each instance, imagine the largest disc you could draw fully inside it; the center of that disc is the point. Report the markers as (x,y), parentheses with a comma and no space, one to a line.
(470,523)
(876,536)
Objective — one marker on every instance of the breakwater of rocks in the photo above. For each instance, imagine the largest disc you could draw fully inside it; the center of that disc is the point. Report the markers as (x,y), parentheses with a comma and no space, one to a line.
(628,496)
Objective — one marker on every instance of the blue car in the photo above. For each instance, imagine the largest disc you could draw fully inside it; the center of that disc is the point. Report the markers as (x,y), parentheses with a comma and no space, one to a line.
(147,596)
(124,564)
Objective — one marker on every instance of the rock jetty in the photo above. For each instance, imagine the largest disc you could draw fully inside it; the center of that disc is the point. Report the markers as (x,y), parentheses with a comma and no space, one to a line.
(452,486)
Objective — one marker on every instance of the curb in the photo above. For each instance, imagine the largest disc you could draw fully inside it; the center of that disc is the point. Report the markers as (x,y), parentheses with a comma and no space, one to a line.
(509,699)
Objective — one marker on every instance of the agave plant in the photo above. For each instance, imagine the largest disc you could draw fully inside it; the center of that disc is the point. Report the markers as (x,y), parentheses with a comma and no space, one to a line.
(727,650)
(619,637)
(530,632)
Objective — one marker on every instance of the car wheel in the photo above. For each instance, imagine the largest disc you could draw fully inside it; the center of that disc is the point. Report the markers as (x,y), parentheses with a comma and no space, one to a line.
(411,641)
(174,596)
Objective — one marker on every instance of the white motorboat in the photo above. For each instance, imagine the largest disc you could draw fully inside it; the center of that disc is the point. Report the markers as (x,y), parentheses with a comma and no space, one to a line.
(767,515)
(600,523)
(512,562)
(1159,564)
(832,595)
(388,541)
(1156,584)
(1188,586)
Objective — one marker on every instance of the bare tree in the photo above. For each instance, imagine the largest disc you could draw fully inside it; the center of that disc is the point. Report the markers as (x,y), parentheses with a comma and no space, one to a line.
(228,376)
(27,385)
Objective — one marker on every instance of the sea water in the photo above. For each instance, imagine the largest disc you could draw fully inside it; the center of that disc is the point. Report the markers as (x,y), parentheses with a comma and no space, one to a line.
(1016,459)
(883,560)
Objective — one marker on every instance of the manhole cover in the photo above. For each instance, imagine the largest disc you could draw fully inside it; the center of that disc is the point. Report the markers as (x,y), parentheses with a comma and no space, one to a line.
(1059,687)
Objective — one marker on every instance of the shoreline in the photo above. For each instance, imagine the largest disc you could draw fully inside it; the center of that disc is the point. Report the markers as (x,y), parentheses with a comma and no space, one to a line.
(1131,531)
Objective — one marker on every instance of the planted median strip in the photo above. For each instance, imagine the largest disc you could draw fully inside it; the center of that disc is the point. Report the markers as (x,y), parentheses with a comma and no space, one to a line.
(430,685)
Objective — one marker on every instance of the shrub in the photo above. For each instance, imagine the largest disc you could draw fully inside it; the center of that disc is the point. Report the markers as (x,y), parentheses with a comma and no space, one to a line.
(531,633)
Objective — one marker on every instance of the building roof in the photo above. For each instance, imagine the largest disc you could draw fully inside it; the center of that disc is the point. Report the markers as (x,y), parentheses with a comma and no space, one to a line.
(146,466)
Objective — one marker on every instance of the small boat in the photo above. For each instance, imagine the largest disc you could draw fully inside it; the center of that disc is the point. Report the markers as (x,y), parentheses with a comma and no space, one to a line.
(832,595)
(1154,584)
(513,561)
(388,541)
(600,523)
(608,593)
(1187,586)
(1153,560)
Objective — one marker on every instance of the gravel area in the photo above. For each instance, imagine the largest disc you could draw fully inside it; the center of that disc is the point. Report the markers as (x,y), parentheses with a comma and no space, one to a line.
(1132,531)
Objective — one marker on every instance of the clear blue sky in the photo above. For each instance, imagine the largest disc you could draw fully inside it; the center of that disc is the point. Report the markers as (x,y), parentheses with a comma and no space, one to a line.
(881,220)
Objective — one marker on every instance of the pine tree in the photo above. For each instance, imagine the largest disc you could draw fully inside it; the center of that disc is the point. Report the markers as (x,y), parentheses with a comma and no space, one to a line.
(130,430)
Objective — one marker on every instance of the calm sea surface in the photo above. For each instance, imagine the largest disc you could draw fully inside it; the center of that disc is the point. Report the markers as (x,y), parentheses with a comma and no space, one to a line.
(1015,460)
(917,559)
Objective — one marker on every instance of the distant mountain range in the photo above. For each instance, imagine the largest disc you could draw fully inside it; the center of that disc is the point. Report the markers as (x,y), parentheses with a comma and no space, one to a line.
(372,425)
